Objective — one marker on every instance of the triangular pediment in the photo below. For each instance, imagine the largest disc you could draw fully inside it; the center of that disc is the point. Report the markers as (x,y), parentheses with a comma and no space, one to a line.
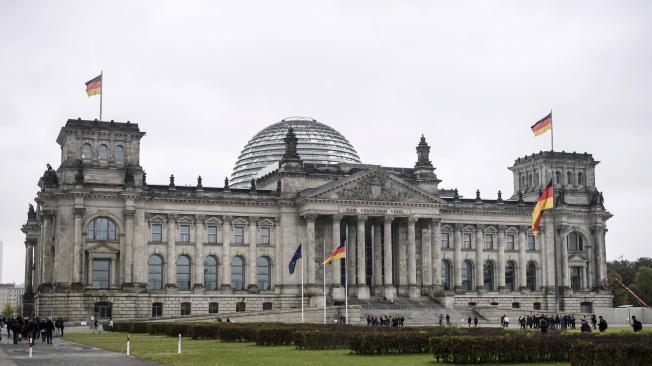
(103,248)
(372,185)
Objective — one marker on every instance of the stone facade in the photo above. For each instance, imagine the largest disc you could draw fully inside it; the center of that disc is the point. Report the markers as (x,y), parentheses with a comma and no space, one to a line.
(102,238)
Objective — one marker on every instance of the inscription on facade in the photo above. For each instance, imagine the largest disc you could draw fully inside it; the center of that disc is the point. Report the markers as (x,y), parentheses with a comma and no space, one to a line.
(375,211)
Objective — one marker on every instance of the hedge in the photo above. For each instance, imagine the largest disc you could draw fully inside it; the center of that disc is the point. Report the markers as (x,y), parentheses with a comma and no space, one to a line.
(601,354)
(381,342)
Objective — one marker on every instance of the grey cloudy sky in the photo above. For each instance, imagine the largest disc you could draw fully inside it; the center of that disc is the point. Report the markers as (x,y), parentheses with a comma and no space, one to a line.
(201,78)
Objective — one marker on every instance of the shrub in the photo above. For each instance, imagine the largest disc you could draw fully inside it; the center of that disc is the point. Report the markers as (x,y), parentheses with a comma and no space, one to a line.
(322,339)
(608,354)
(381,342)
(275,336)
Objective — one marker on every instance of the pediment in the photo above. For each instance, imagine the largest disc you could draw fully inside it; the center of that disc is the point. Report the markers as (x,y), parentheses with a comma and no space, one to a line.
(266,222)
(102,248)
(511,230)
(213,220)
(239,221)
(157,218)
(186,220)
(577,258)
(372,185)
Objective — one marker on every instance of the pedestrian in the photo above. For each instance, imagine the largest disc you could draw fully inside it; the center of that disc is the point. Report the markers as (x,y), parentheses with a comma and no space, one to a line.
(585,328)
(602,324)
(475,321)
(594,321)
(441,319)
(636,324)
(61,326)
(111,325)
(448,320)
(469,321)
(95,328)
(49,329)
(506,321)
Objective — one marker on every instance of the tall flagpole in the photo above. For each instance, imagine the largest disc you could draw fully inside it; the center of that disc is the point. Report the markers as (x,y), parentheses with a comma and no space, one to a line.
(324,273)
(101,92)
(552,134)
(346,278)
(302,261)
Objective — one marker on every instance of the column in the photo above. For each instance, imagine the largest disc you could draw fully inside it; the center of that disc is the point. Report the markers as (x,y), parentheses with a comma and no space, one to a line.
(170,255)
(389,290)
(278,253)
(501,258)
(226,253)
(522,265)
(600,256)
(351,256)
(436,255)
(426,256)
(561,243)
(199,252)
(413,291)
(336,288)
(378,258)
(590,267)
(310,249)
(77,253)
(253,241)
(479,263)
(29,262)
(129,245)
(457,257)
(362,288)
(550,267)
(45,248)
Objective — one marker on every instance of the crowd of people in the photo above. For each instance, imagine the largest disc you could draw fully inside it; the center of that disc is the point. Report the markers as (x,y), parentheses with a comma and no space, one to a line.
(21,329)
(546,322)
(385,320)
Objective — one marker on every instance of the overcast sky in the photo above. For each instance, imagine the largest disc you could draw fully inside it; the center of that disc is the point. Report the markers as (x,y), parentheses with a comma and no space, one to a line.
(201,78)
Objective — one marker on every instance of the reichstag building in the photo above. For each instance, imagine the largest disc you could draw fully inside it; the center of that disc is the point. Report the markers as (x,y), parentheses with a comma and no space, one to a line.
(101,239)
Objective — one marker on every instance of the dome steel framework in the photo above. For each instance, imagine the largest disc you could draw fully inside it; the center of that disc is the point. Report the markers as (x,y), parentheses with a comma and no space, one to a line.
(318,143)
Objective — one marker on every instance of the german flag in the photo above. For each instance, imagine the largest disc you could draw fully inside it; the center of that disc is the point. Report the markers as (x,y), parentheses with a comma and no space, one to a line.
(338,253)
(94,86)
(543,125)
(545,202)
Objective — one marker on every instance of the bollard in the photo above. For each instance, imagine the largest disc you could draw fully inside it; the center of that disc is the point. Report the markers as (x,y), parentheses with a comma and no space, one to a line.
(179,347)
(128,344)
(30,347)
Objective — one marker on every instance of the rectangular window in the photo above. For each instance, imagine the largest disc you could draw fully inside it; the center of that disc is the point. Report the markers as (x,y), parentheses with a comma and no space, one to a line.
(488,241)
(184,233)
(212,234)
(510,242)
(576,278)
(240,307)
(213,308)
(467,241)
(531,242)
(444,241)
(267,306)
(157,310)
(185,308)
(157,233)
(264,235)
(238,233)
(101,272)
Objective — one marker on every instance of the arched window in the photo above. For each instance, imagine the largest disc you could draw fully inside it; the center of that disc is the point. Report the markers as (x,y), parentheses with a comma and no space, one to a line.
(531,276)
(446,274)
(155,272)
(87,152)
(102,228)
(210,273)
(119,153)
(580,179)
(103,152)
(558,177)
(237,273)
(488,276)
(569,178)
(264,273)
(467,275)
(510,275)
(575,241)
(183,272)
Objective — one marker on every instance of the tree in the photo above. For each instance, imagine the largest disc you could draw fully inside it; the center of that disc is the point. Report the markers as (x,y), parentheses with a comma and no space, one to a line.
(8,309)
(643,284)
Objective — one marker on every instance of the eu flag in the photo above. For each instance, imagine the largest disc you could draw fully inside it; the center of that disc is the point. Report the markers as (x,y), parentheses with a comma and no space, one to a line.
(295,258)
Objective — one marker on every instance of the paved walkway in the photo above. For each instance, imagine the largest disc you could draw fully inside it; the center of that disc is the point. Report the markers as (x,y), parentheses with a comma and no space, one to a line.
(61,353)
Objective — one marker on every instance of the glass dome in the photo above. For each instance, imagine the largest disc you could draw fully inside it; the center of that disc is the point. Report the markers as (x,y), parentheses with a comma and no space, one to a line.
(318,143)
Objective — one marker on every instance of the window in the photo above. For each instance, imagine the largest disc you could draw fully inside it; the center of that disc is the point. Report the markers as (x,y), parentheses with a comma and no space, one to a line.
(264,235)
(186,308)
(119,153)
(237,273)
(87,152)
(213,308)
(263,273)
(240,307)
(183,272)
(212,234)
(157,233)
(576,278)
(510,242)
(580,179)
(445,244)
(569,178)
(537,306)
(101,273)
(531,242)
(529,180)
(586,307)
(267,306)
(516,305)
(531,276)
(575,242)
(467,241)
(489,276)
(155,272)
(510,275)
(157,310)
(103,310)
(101,229)
(210,273)
(446,274)
(536,179)
(238,231)
(558,177)
(489,241)
(103,152)
(521,181)
(184,233)
(467,275)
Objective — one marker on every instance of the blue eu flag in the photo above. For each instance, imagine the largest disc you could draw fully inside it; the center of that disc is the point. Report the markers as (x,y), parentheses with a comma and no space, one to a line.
(295,258)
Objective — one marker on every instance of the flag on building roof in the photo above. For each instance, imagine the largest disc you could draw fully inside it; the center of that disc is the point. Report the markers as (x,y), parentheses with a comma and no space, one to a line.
(338,253)
(544,202)
(94,86)
(295,258)
(543,125)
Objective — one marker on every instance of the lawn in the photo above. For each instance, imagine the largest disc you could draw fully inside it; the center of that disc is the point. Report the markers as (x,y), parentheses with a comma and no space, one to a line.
(163,349)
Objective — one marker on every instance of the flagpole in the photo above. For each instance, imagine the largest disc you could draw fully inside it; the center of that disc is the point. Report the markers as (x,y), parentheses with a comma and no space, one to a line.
(302,261)
(552,134)
(323,264)
(346,279)
(101,92)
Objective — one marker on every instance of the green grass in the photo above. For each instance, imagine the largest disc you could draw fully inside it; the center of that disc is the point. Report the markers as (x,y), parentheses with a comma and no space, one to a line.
(163,349)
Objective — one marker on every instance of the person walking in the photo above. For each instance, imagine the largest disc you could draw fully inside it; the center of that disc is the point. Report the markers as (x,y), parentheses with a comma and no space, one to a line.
(594,321)
(602,324)
(49,329)
(475,321)
(636,324)
(111,325)
(506,322)
(441,319)
(469,321)
(448,320)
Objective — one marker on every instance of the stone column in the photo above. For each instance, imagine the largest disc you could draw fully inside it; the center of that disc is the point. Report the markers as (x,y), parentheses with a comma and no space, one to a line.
(389,290)
(436,255)
(170,255)
(600,256)
(457,258)
(362,288)
(501,258)
(479,263)
(337,290)
(378,258)
(29,263)
(129,215)
(561,242)
(226,253)
(199,253)
(351,257)
(590,267)
(253,241)
(426,256)
(413,290)
(278,253)
(309,260)
(77,252)
(46,265)
(522,265)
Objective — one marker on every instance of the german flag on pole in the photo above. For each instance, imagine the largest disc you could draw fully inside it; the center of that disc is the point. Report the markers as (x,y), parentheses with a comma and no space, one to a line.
(338,253)
(94,86)
(543,125)
(545,202)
